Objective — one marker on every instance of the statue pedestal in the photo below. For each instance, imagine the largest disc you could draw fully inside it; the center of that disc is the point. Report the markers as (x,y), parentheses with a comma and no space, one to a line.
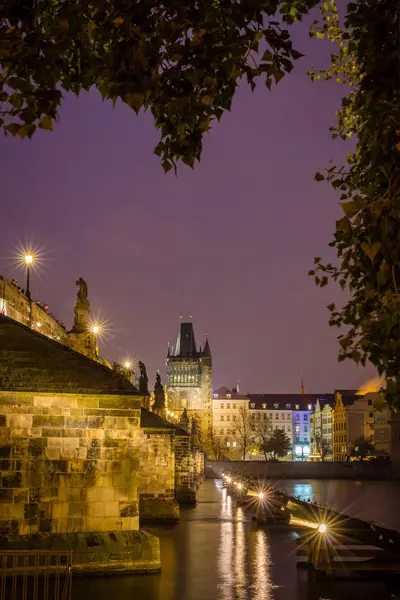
(84,343)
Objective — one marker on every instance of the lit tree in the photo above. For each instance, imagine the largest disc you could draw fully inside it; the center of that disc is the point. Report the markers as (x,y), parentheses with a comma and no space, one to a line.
(215,443)
(242,432)
(322,446)
(181,60)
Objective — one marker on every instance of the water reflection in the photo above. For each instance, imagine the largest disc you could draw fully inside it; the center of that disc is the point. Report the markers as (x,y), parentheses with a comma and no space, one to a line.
(217,553)
(262,584)
(304,491)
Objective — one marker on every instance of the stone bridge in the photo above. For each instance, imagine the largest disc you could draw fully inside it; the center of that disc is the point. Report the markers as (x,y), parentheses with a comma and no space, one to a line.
(82,462)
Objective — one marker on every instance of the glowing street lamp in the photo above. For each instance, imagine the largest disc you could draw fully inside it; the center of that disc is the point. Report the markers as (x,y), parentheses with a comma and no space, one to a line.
(322,528)
(28,258)
(127,364)
(261,496)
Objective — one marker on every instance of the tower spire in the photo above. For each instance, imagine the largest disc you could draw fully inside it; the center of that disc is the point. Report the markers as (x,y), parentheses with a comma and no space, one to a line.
(302,384)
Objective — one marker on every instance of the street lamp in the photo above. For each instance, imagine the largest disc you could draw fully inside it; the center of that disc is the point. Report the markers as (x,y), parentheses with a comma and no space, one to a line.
(28,258)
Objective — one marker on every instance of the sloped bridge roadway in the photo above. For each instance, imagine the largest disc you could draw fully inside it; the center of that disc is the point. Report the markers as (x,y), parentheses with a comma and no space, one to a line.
(329,543)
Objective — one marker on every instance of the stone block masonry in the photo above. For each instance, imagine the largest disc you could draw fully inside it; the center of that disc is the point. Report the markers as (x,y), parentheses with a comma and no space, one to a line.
(68,463)
(157,476)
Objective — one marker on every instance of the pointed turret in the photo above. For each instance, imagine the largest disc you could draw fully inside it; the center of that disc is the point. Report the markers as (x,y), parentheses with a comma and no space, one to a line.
(207,351)
(302,384)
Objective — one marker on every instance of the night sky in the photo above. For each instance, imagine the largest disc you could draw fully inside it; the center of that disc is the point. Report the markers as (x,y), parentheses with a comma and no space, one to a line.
(230,242)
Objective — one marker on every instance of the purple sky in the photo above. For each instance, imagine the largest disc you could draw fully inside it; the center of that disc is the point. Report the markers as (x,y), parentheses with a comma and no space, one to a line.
(231,241)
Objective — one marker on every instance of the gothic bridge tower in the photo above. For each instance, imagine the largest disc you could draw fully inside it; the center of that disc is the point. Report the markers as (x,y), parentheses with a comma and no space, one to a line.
(189,372)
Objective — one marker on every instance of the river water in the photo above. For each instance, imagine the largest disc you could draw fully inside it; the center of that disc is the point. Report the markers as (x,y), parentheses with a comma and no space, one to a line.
(217,553)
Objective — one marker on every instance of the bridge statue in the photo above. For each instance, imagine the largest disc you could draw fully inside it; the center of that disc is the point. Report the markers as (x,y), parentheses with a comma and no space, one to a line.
(159,396)
(82,308)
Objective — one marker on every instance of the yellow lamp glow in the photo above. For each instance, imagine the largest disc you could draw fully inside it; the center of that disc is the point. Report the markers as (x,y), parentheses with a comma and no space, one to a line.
(38,324)
(322,528)
(95,329)
(261,495)
(127,364)
(239,486)
(28,259)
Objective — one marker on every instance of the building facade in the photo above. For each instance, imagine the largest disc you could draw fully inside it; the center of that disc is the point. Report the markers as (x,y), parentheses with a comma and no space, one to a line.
(189,373)
(321,429)
(353,420)
(228,409)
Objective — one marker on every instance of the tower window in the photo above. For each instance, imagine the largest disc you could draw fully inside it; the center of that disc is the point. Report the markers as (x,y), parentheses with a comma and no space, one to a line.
(228,396)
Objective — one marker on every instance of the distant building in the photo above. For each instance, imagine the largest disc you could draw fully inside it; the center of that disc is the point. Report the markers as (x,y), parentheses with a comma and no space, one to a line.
(272,411)
(382,424)
(227,409)
(353,420)
(189,372)
(17,306)
(321,428)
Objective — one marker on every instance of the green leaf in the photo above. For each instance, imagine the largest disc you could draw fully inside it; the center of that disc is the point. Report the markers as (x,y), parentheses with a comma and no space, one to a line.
(351,208)
(319,177)
(46,122)
(371,250)
(13,128)
(344,224)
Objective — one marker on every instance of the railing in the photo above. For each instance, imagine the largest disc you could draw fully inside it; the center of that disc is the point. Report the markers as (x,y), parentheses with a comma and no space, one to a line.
(35,575)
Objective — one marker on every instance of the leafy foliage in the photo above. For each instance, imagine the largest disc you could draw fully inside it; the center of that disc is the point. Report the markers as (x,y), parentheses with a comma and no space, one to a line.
(367,237)
(277,445)
(181,59)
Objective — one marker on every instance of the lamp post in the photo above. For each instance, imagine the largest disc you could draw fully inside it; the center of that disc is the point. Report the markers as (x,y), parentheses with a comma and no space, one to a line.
(28,261)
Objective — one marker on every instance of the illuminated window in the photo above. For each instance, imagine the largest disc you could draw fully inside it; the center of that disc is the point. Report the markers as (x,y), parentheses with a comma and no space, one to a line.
(309,407)
(228,443)
(228,396)
(264,405)
(288,406)
(234,444)
(297,407)
(252,405)
(276,405)
(297,428)
(228,406)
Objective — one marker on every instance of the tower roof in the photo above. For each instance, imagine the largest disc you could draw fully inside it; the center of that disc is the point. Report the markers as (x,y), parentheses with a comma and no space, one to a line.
(207,351)
(185,343)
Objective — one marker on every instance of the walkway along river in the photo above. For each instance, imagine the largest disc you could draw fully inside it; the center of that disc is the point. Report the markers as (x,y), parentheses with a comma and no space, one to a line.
(217,553)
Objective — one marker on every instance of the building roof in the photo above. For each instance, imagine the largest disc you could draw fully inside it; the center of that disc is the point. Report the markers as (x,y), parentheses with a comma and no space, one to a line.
(32,362)
(185,342)
(223,391)
(207,350)
(284,401)
(150,420)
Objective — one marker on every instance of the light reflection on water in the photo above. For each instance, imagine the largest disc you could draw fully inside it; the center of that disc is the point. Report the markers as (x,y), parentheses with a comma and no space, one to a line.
(217,553)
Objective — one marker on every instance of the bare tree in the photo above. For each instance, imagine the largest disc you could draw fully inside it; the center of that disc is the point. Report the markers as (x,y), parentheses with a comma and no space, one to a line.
(322,446)
(215,443)
(242,432)
(262,430)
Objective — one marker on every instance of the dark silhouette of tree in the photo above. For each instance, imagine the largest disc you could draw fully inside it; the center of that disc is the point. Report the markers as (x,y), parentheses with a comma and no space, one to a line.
(262,429)
(277,445)
(180,60)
